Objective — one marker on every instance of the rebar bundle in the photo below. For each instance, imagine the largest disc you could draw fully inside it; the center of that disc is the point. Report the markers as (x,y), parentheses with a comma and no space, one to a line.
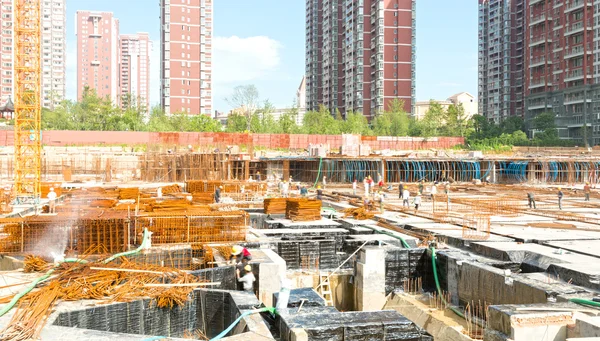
(112,282)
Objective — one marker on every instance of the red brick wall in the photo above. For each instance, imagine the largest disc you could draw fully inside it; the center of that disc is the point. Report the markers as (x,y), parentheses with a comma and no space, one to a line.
(286,141)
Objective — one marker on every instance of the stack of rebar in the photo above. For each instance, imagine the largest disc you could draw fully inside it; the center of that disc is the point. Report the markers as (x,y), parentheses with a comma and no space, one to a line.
(275,205)
(171,189)
(303,209)
(129,193)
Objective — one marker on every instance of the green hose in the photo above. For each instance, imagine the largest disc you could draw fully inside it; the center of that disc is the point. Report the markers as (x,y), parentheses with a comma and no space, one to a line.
(31,286)
(404,243)
(585,302)
(318,174)
(437,284)
(132,252)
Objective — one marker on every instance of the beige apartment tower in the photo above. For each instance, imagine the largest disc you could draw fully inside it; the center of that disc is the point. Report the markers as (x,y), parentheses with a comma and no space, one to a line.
(97,53)
(186,56)
(134,69)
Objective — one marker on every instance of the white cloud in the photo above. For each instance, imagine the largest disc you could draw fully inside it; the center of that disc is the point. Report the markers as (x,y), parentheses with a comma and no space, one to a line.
(71,71)
(155,73)
(241,60)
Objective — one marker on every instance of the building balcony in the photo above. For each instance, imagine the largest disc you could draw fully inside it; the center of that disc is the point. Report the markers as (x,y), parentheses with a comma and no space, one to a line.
(539,19)
(538,40)
(576,75)
(538,105)
(578,27)
(538,83)
(577,51)
(539,61)
(533,2)
(557,4)
(576,100)
(577,4)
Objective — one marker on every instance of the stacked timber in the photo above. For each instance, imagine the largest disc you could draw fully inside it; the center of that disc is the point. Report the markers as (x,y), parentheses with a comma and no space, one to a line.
(303,209)
(275,205)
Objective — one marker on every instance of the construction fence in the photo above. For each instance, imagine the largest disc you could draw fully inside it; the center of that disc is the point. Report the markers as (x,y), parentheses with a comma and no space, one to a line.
(271,141)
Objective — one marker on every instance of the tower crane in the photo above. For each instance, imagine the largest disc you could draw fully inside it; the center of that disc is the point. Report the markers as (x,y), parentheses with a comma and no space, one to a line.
(28,109)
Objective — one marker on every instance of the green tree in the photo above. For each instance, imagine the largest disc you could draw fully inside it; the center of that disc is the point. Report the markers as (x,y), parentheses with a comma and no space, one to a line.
(236,123)
(245,98)
(204,123)
(434,119)
(546,126)
(392,122)
(287,121)
(457,123)
(321,122)
(356,123)
(512,124)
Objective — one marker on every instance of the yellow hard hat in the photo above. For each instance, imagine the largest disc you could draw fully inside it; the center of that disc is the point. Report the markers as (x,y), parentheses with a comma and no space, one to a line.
(318,187)
(236,250)
(248,268)
(559,188)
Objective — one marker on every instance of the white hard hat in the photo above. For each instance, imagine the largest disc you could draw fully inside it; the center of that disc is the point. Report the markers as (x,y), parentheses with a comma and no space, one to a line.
(51,188)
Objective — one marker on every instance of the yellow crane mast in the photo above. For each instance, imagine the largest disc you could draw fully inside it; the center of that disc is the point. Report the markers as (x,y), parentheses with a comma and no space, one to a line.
(28,109)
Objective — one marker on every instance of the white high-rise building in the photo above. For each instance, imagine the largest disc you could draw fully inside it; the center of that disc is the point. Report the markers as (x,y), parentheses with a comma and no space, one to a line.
(53,56)
(134,57)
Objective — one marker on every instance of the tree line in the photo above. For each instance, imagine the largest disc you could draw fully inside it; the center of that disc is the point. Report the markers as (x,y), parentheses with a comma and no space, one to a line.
(100,114)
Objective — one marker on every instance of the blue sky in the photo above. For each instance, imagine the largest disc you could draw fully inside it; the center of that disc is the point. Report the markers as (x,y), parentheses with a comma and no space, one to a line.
(261,42)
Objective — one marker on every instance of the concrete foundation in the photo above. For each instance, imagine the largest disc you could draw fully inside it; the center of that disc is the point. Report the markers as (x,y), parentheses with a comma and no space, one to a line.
(370,279)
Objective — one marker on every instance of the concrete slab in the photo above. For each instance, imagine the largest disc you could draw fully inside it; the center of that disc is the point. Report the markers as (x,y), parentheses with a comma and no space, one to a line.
(287,231)
(349,222)
(540,235)
(323,223)
(585,247)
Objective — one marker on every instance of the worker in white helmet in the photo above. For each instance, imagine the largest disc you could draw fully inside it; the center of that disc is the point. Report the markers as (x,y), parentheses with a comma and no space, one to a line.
(52,201)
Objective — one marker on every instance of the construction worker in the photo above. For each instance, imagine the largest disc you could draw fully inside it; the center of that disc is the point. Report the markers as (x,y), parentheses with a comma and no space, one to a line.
(324,181)
(354,186)
(381,196)
(405,198)
(560,196)
(319,193)
(531,200)
(417,202)
(586,191)
(303,191)
(257,176)
(240,255)
(400,190)
(159,192)
(52,201)
(285,189)
(247,279)
(421,186)
(366,186)
(218,194)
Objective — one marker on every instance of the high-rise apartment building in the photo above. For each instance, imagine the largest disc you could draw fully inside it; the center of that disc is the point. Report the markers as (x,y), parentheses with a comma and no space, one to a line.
(134,69)
(54,54)
(6,50)
(53,51)
(186,56)
(360,55)
(97,53)
(501,58)
(563,72)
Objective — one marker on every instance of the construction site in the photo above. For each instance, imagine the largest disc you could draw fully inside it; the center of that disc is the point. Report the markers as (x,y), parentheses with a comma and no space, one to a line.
(218,236)
(137,243)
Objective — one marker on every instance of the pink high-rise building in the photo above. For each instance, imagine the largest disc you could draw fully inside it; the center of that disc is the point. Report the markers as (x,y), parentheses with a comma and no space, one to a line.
(97,53)
(186,48)
(134,79)
(6,50)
